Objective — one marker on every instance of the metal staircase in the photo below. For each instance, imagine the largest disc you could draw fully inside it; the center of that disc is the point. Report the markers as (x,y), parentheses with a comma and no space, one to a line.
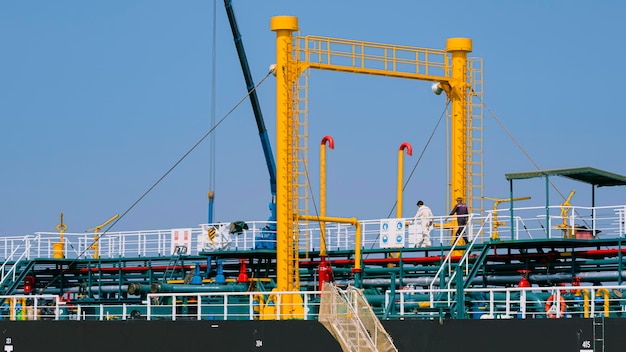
(14,268)
(462,277)
(179,251)
(459,275)
(350,319)
(14,276)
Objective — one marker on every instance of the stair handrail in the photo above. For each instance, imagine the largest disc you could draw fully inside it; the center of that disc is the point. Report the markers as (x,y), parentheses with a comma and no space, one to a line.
(179,251)
(466,256)
(463,261)
(4,274)
(448,257)
(380,333)
(338,330)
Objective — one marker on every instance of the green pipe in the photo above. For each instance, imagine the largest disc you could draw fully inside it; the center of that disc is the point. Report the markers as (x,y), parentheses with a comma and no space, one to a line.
(158,287)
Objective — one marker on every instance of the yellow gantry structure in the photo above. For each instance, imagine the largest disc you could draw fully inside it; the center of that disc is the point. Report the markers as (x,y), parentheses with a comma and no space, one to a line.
(449,69)
(286,202)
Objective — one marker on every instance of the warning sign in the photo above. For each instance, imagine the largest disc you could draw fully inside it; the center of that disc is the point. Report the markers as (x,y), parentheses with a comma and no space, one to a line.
(181,237)
(391,233)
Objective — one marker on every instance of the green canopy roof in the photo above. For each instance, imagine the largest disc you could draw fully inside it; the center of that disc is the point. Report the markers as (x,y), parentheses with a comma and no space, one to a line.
(589,175)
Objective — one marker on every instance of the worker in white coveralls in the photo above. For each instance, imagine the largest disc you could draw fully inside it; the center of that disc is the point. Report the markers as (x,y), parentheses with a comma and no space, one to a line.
(425,217)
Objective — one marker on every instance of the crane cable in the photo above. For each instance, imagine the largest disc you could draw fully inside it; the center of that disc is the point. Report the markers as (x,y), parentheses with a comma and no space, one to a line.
(432,134)
(190,150)
(180,160)
(213,99)
(493,115)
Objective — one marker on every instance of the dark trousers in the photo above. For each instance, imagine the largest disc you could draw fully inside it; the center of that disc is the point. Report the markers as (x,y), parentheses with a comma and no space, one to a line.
(459,231)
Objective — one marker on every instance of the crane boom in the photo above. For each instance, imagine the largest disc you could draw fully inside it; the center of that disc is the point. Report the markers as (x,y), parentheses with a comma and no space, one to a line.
(254,100)
(267,239)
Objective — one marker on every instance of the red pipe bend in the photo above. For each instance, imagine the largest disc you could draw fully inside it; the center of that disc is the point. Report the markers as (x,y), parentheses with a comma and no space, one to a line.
(407,146)
(330,140)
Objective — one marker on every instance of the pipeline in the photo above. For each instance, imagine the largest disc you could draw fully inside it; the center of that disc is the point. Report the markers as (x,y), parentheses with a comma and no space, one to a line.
(159,287)
(496,280)
(609,276)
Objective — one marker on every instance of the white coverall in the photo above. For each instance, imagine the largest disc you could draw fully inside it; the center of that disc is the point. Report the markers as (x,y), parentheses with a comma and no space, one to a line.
(425,216)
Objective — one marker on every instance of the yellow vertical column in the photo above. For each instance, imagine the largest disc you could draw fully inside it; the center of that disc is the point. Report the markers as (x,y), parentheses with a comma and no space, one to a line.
(409,151)
(458,48)
(284,26)
(331,145)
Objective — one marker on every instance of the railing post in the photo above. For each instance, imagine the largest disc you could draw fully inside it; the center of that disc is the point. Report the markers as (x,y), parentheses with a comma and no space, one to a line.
(199,307)
(149,308)
(460,296)
(174,308)
(306,306)
(522,303)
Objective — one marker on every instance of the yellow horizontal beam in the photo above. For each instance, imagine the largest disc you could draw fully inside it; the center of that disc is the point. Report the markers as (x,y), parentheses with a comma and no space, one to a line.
(372,58)
(376,72)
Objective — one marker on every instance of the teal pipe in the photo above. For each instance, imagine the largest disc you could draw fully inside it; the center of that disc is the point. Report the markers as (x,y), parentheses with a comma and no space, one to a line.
(159,287)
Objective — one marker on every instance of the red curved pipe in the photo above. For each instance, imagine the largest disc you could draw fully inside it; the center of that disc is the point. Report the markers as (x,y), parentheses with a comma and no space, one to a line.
(330,140)
(407,146)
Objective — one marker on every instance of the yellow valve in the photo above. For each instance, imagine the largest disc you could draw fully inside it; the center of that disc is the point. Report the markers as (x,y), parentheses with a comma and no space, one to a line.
(61,227)
(565,208)
(496,223)
(59,247)
(96,237)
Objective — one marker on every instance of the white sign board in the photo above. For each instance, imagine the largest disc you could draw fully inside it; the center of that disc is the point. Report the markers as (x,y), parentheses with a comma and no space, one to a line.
(391,233)
(415,230)
(214,237)
(181,237)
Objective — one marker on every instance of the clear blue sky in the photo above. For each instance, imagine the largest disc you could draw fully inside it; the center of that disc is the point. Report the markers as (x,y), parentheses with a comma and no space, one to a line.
(98,99)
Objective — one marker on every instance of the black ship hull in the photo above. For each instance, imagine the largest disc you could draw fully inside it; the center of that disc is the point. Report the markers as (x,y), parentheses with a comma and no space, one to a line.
(541,335)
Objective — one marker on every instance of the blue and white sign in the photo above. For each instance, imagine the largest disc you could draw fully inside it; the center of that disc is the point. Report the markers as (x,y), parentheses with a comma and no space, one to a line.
(391,233)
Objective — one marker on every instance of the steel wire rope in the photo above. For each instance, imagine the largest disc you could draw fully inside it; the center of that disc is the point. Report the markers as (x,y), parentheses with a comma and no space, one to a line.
(213,103)
(432,134)
(510,135)
(183,157)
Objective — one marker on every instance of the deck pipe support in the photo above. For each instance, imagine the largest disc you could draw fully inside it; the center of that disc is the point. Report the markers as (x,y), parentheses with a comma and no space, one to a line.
(324,270)
(331,144)
(357,251)
(409,151)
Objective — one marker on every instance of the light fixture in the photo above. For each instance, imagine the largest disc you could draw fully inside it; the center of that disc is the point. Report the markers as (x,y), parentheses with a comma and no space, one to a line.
(436,87)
